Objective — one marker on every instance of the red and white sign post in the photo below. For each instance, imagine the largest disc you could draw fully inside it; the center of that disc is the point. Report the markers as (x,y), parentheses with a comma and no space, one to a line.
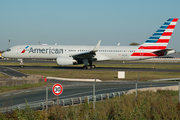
(57,89)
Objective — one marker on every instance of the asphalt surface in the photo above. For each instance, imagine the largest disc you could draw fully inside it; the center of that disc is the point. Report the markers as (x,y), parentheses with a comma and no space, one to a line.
(11,72)
(105,62)
(96,69)
(72,89)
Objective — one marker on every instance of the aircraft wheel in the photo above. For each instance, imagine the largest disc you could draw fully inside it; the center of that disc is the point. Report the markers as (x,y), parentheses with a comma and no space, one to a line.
(22,66)
(93,66)
(88,67)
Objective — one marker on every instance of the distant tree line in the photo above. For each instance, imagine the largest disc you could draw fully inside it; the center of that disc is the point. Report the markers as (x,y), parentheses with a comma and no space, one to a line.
(134,44)
(1,51)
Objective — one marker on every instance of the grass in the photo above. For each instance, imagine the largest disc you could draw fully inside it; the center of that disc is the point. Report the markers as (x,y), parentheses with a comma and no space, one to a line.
(147,106)
(2,75)
(20,87)
(157,66)
(153,65)
(85,74)
(103,75)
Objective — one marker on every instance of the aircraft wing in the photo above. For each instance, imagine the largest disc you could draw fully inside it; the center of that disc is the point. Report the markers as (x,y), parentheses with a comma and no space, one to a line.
(88,54)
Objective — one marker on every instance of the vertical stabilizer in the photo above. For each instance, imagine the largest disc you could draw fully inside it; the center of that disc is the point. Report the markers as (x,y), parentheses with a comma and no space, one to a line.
(157,41)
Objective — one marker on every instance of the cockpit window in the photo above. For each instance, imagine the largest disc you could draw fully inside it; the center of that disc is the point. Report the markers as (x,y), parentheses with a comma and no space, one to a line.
(8,50)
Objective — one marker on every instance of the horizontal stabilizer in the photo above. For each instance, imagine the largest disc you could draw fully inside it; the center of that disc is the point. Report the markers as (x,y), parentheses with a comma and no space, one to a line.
(164,52)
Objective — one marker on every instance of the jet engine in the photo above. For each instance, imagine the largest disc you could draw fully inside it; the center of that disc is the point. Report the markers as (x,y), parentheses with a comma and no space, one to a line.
(65,61)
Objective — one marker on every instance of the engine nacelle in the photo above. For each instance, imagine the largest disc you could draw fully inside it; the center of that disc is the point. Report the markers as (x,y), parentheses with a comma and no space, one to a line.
(65,61)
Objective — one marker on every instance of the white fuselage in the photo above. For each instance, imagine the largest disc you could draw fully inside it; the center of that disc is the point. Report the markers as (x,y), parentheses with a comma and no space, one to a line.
(121,53)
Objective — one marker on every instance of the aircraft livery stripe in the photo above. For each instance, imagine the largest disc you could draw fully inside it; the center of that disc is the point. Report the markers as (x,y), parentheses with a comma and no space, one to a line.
(164,32)
(23,51)
(163,41)
(155,44)
(152,47)
(151,41)
(167,34)
(170,19)
(143,54)
(158,41)
(171,27)
(148,54)
(175,20)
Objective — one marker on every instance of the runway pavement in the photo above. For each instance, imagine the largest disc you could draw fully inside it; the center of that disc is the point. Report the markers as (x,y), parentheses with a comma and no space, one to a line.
(72,89)
(95,69)
(11,72)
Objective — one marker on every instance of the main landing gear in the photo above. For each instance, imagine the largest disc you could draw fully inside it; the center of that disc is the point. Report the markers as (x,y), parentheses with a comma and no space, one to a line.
(89,67)
(86,66)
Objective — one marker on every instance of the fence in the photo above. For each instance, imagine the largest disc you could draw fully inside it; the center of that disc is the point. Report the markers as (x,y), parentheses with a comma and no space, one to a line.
(63,102)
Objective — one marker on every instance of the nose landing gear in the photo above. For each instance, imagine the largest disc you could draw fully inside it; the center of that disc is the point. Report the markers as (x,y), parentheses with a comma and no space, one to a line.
(21,63)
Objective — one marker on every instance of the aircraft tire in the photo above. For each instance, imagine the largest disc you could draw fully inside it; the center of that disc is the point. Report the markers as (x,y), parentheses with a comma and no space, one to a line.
(93,66)
(88,67)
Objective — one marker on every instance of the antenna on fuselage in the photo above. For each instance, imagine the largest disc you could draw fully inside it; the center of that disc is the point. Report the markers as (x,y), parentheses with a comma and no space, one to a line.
(118,44)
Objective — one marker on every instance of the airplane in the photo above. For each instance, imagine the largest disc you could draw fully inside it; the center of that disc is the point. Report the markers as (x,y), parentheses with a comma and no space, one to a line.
(154,46)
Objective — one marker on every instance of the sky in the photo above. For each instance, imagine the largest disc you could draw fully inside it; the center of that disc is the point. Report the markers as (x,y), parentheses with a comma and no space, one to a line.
(85,22)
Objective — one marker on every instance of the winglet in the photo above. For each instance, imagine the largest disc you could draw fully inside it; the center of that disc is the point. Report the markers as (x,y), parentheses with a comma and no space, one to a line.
(96,48)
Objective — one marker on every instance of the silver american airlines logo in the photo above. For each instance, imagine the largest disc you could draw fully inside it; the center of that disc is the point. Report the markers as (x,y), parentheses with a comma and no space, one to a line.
(46,50)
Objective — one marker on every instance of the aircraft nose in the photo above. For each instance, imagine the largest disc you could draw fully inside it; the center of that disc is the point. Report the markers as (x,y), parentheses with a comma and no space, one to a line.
(3,54)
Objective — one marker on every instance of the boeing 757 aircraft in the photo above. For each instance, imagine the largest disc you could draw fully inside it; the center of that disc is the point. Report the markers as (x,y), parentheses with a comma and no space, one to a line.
(154,46)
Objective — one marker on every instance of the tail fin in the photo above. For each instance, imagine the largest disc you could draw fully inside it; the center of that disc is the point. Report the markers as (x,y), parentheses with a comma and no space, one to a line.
(160,39)
(157,43)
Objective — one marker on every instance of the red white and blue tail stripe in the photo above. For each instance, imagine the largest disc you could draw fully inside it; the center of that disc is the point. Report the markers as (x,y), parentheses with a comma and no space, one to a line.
(158,41)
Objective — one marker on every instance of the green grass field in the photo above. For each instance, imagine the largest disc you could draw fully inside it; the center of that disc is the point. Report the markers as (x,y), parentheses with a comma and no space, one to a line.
(2,75)
(103,75)
(20,87)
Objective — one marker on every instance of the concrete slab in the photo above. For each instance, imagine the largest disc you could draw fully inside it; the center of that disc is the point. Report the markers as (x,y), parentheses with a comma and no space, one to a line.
(71,79)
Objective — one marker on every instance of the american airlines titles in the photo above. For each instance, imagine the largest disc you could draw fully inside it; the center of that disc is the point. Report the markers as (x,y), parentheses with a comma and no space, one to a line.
(46,51)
